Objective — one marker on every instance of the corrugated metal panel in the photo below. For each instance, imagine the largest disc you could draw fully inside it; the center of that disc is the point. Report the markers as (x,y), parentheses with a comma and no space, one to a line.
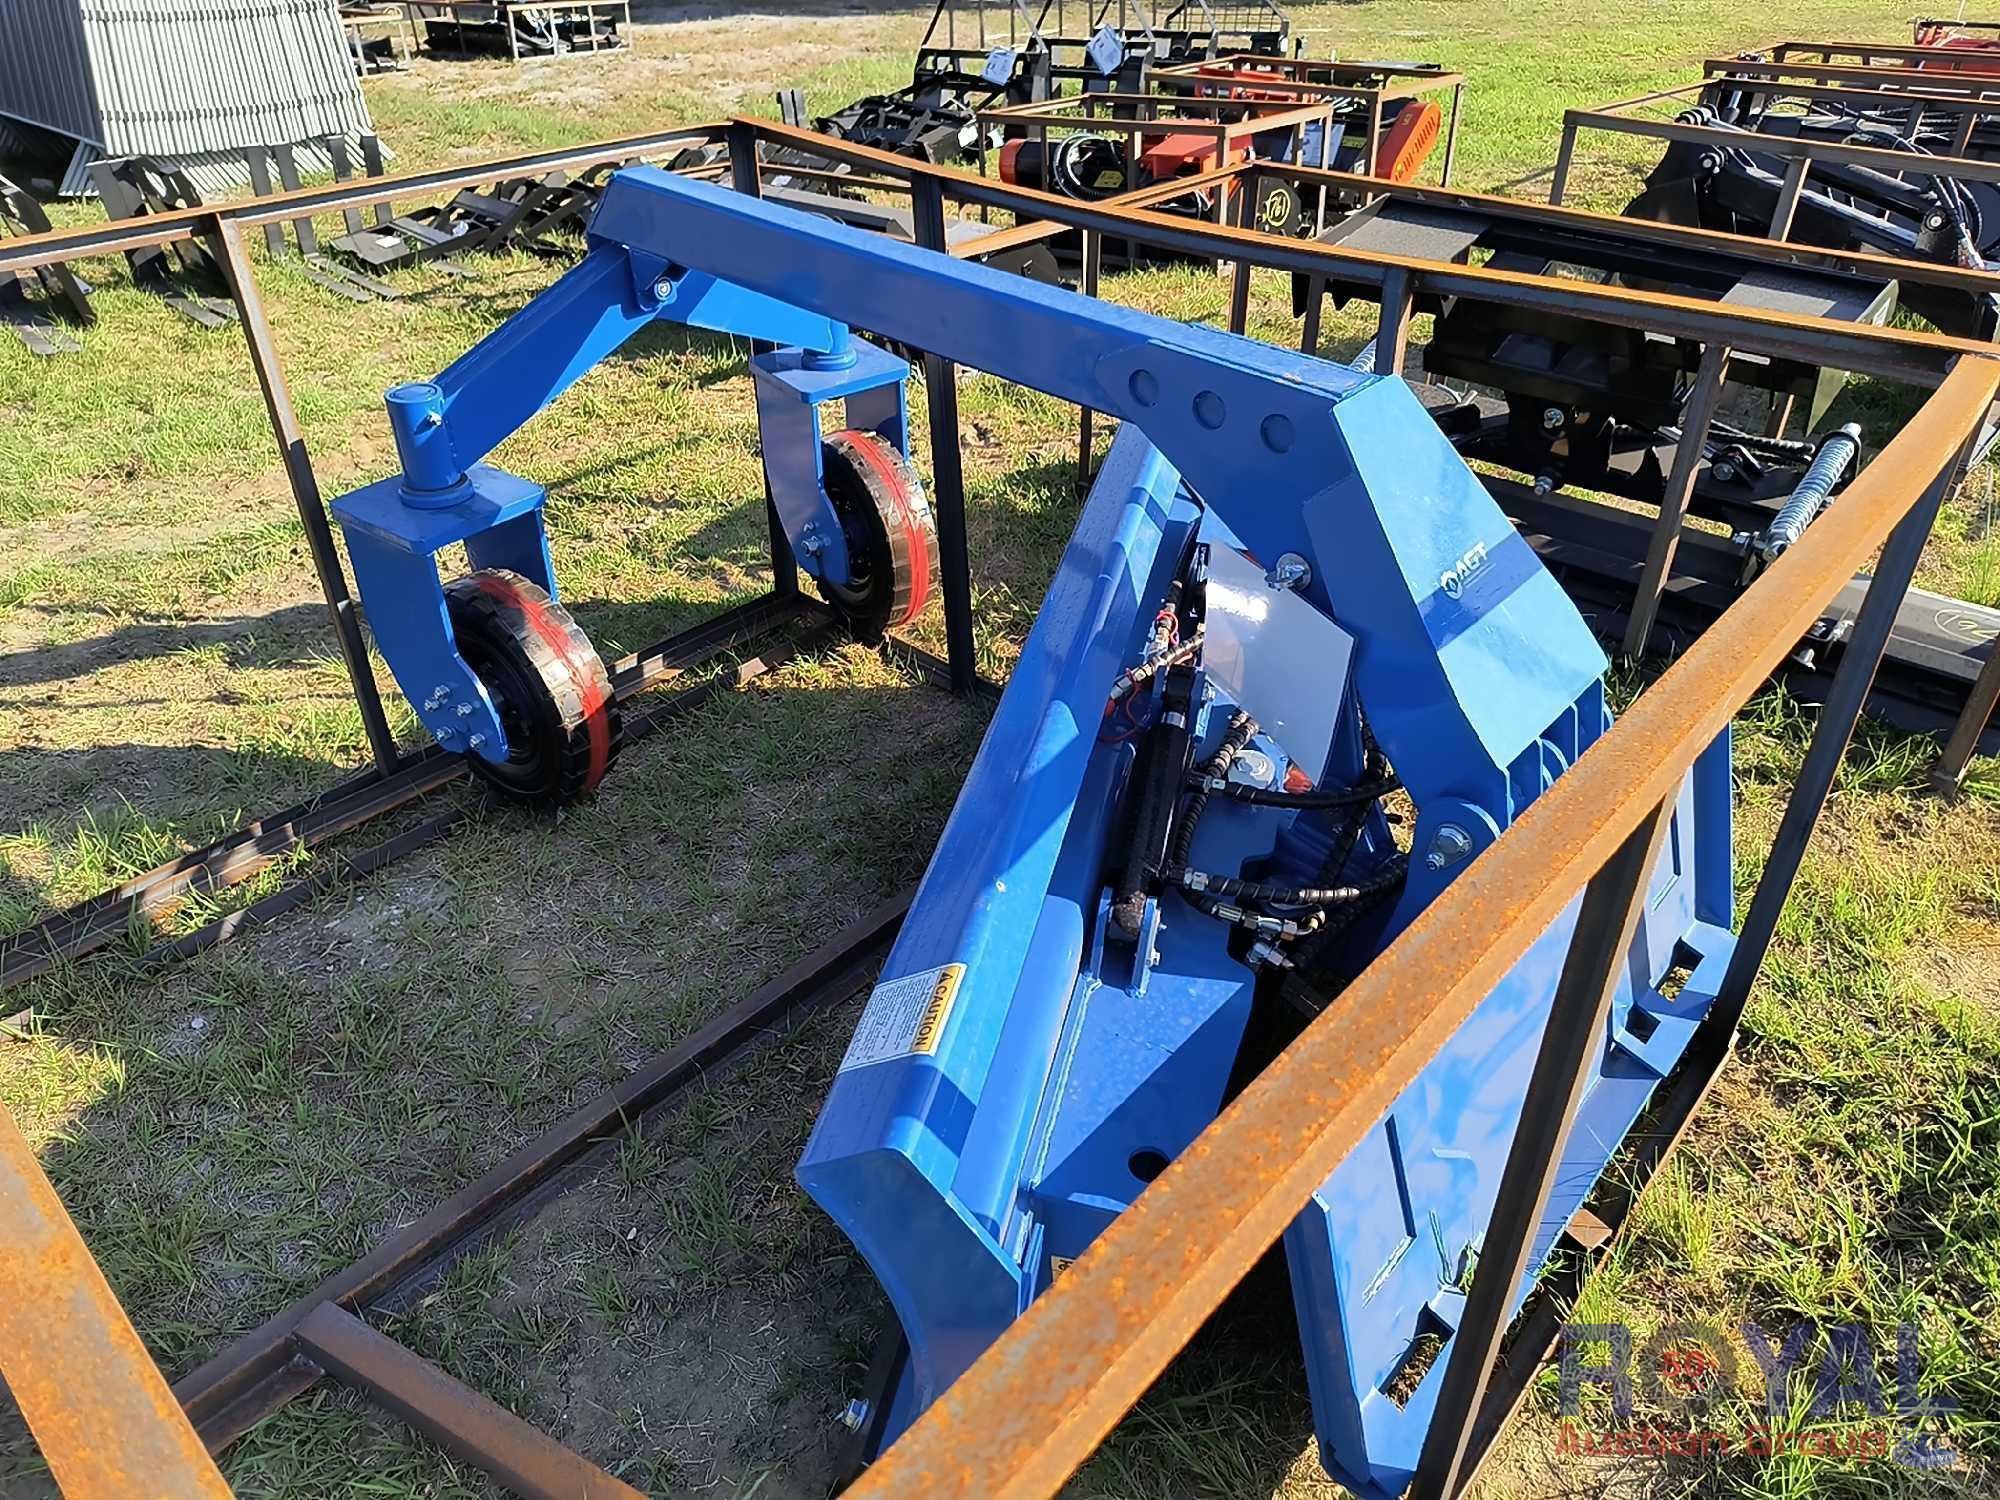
(44,70)
(217,174)
(179,78)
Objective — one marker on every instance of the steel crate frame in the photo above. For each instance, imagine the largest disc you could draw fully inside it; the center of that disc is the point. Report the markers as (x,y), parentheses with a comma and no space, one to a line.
(1800,154)
(1375,83)
(1644,625)
(415,11)
(1135,116)
(1050,1390)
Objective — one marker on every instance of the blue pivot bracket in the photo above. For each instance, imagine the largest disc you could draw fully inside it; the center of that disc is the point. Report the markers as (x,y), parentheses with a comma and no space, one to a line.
(445,427)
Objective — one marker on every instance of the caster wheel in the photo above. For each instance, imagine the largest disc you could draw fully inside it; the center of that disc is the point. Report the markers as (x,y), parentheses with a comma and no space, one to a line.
(891,534)
(546,680)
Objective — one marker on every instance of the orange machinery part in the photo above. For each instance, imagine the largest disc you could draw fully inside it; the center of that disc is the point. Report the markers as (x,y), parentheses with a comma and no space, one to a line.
(1408,144)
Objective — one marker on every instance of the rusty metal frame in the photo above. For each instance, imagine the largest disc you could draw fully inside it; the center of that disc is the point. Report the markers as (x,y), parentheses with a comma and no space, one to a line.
(1615,119)
(1789,65)
(1051,1389)
(1897,54)
(1378,84)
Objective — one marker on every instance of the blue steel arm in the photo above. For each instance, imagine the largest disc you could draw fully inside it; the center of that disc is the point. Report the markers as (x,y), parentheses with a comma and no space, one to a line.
(1295,454)
(444,427)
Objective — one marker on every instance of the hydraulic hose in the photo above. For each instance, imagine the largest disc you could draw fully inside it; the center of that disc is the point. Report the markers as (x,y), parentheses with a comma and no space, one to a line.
(1312,801)
(1156,779)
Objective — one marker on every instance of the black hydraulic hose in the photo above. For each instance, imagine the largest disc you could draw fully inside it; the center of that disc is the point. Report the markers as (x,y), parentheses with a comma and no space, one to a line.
(1155,783)
(1757,442)
(1234,738)
(1269,894)
(1310,801)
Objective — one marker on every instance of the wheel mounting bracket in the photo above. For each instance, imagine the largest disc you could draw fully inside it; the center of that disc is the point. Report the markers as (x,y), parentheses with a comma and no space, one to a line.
(394,547)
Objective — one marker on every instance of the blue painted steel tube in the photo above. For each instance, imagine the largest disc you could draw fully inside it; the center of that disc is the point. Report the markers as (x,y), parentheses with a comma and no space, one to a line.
(1266,436)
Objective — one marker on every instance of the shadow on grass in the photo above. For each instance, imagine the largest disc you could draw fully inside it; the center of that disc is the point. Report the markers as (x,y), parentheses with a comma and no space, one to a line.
(293,636)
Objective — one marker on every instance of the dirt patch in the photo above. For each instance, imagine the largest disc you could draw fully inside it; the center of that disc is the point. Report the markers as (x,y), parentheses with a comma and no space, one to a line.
(1970,971)
(681,1315)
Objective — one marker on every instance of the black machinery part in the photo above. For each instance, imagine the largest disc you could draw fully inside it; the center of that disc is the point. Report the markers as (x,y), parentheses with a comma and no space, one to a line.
(890,530)
(1920,215)
(547,682)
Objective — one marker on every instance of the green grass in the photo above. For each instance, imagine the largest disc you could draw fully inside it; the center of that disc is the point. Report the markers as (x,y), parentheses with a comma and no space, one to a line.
(229,1130)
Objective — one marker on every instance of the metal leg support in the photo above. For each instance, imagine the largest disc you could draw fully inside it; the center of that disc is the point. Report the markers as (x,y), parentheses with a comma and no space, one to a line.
(1093,266)
(1559,182)
(1392,337)
(745,178)
(305,493)
(1949,773)
(947,471)
(1590,975)
(1701,404)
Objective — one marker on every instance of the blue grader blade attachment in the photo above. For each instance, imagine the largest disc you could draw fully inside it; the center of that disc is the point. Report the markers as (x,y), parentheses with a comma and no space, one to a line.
(1183,825)
(1031,1059)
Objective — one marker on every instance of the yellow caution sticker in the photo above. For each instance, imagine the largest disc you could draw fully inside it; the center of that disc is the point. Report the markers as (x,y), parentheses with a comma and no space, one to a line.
(905,1017)
(1059,1264)
(937,1009)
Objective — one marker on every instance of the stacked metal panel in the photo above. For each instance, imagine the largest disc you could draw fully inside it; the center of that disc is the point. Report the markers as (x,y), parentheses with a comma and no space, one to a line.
(194,81)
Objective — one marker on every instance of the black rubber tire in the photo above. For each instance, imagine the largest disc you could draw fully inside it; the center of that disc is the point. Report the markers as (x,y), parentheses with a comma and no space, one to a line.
(890,530)
(550,686)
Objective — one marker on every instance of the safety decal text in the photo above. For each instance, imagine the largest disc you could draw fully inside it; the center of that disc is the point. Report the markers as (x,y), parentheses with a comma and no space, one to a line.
(905,1017)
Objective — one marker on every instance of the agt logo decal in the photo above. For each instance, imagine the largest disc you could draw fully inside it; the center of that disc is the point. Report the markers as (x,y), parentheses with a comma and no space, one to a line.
(1454,578)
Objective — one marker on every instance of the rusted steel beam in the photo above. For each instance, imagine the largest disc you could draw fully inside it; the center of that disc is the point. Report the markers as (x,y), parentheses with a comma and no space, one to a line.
(1562,218)
(1904,354)
(1032,231)
(162,229)
(1043,1397)
(95,1401)
(454,1416)
(1933,80)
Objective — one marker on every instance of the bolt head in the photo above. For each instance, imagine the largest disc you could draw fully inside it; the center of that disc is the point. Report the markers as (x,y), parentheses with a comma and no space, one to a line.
(441,692)
(1449,845)
(477,741)
(465,710)
(1724,471)
(1290,572)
